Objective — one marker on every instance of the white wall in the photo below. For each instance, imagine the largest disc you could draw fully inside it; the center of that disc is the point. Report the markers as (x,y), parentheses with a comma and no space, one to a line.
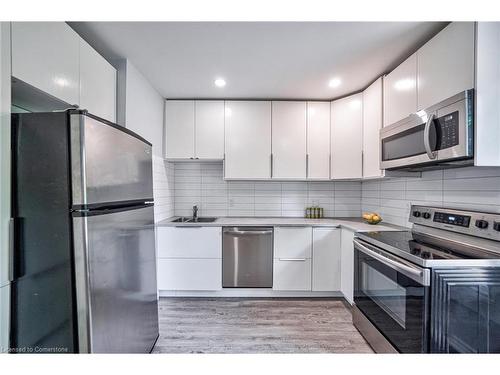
(5,72)
(202,183)
(140,107)
(471,188)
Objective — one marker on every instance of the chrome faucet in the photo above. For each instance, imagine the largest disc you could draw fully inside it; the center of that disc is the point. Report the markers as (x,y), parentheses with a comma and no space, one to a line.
(195,212)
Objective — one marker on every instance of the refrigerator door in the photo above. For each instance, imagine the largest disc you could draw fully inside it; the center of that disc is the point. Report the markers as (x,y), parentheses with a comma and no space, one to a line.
(115,271)
(109,163)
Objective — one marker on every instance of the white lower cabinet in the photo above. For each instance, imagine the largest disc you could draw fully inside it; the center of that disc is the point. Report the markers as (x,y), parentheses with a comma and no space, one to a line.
(189,274)
(189,242)
(347,265)
(326,259)
(292,274)
(189,258)
(292,258)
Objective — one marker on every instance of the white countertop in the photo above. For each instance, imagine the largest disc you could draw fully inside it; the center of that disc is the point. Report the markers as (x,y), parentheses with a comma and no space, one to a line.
(354,224)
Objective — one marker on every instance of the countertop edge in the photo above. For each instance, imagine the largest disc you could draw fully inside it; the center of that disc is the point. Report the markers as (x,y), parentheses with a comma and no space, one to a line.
(353,224)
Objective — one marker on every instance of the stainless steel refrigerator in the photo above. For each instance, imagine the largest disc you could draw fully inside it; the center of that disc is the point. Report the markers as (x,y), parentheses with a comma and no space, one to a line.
(84,246)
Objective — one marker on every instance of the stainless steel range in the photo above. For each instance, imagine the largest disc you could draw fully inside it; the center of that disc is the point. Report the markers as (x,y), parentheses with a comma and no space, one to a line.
(434,288)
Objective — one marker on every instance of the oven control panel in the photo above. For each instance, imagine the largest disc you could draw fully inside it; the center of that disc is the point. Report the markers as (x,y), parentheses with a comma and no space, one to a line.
(479,224)
(452,219)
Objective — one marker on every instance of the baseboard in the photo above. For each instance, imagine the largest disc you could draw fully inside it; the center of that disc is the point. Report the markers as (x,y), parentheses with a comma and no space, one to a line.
(244,292)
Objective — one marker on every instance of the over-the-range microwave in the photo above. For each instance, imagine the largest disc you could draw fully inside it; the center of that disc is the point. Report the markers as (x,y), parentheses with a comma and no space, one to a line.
(442,136)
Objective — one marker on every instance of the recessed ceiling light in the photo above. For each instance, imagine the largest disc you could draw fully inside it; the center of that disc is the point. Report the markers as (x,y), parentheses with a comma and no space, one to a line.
(220,82)
(334,82)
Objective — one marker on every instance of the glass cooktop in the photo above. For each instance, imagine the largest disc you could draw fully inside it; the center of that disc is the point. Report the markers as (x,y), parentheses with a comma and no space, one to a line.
(417,247)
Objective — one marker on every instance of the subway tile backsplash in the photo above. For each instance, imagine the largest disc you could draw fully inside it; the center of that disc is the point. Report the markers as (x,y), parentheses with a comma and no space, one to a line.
(203,184)
(472,188)
(180,185)
(163,189)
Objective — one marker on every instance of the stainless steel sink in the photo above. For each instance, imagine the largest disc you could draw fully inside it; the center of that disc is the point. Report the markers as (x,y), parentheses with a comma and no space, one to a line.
(182,220)
(203,220)
(185,219)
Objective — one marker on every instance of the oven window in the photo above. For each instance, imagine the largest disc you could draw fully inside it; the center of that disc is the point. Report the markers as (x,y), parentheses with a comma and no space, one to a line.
(385,292)
(408,143)
(394,303)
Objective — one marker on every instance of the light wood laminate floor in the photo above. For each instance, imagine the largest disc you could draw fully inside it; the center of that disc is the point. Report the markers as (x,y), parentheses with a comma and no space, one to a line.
(257,325)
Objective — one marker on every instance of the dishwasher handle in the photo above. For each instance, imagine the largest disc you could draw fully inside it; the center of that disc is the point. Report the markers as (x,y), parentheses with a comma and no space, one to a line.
(247,232)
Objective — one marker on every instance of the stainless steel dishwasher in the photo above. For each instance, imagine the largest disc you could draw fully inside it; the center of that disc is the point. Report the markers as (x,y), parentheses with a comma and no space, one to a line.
(247,257)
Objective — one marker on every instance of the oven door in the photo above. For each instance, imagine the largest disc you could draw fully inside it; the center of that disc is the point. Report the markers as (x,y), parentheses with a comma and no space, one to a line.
(393,295)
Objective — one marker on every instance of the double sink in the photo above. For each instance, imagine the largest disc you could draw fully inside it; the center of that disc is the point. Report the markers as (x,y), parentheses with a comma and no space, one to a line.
(190,219)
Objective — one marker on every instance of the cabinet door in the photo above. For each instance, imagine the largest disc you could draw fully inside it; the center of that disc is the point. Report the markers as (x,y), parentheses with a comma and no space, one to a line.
(46,55)
(347,137)
(487,137)
(292,274)
(326,259)
(446,64)
(248,140)
(189,274)
(97,83)
(209,129)
(179,129)
(318,140)
(289,139)
(372,123)
(292,242)
(347,265)
(189,242)
(400,91)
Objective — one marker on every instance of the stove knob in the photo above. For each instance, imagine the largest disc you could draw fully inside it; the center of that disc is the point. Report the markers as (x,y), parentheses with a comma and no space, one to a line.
(481,224)
(496,226)
(427,215)
(416,213)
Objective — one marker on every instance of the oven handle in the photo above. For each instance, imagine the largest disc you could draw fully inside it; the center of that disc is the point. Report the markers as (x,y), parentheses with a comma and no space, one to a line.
(427,141)
(420,275)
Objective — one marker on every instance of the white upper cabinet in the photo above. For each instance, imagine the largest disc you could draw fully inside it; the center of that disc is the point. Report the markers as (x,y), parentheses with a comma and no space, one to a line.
(487,126)
(372,123)
(209,129)
(46,55)
(347,137)
(289,140)
(400,91)
(318,140)
(446,64)
(179,131)
(97,83)
(248,140)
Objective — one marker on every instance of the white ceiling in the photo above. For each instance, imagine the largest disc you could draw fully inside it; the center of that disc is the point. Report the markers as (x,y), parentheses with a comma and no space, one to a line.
(258,59)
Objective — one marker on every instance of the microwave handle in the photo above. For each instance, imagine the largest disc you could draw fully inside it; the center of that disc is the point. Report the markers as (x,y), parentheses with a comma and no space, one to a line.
(427,141)
(420,275)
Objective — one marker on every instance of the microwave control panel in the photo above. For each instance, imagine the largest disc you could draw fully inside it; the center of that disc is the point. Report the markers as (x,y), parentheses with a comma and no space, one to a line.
(447,130)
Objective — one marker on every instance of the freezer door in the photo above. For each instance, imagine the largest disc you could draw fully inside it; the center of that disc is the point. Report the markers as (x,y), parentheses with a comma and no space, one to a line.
(115,270)
(109,163)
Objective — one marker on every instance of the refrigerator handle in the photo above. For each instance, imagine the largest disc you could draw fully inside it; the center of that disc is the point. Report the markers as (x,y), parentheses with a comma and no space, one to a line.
(11,250)
(15,249)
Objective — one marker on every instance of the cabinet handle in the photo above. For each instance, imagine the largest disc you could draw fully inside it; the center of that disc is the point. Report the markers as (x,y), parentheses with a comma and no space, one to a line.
(271,165)
(330,165)
(307,165)
(292,259)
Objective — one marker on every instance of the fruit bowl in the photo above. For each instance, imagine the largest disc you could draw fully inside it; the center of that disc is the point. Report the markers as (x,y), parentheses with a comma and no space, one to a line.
(372,218)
